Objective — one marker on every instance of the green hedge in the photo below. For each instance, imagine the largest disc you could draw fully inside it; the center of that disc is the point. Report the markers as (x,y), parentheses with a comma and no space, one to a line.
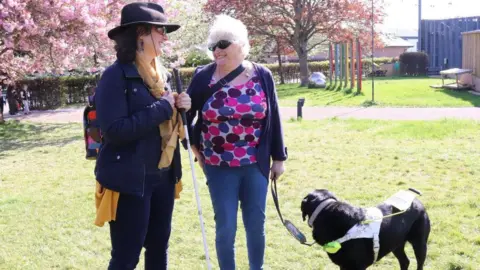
(291,71)
(54,92)
(413,64)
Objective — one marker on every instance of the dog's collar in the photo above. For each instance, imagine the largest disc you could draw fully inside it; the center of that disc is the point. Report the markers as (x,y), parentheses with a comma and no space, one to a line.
(319,209)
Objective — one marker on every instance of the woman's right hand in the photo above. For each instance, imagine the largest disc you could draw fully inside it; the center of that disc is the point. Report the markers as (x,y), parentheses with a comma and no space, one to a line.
(200,159)
(201,162)
(168,96)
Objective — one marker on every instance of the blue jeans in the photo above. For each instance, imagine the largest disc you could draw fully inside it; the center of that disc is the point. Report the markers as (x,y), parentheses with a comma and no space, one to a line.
(227,187)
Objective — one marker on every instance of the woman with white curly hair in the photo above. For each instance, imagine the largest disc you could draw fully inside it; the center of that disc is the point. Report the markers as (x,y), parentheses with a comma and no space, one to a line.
(237,134)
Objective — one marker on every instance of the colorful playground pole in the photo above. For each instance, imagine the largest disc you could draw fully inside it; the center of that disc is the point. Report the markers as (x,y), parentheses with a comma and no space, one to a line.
(347,66)
(352,65)
(343,62)
(330,58)
(359,67)
(337,64)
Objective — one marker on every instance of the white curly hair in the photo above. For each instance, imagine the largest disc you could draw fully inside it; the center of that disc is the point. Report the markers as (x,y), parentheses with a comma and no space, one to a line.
(227,28)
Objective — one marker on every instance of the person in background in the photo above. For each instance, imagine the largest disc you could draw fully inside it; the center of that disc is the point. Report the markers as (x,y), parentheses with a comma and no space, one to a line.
(237,134)
(12,100)
(25,98)
(2,103)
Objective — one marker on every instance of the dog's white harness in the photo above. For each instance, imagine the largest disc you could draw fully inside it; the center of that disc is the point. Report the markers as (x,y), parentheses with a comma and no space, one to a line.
(370,226)
(367,230)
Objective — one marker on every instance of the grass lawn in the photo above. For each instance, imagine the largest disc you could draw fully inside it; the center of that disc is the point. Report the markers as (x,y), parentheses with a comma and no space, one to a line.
(392,92)
(47,204)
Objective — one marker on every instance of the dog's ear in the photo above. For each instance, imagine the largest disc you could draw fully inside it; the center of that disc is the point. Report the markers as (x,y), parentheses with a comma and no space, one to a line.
(313,199)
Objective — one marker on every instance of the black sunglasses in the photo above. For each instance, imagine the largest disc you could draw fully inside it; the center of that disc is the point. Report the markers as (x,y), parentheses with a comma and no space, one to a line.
(222,44)
(161,29)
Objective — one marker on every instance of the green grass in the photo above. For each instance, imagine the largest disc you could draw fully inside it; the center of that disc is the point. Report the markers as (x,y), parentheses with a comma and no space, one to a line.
(47,203)
(392,92)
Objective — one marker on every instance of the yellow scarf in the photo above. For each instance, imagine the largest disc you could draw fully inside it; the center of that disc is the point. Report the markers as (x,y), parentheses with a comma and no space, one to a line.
(170,130)
(106,201)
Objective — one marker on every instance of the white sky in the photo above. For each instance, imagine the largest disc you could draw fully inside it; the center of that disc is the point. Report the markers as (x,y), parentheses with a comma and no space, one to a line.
(402,15)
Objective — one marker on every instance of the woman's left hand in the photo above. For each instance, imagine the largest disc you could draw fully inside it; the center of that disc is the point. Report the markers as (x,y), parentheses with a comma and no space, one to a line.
(183,101)
(277,170)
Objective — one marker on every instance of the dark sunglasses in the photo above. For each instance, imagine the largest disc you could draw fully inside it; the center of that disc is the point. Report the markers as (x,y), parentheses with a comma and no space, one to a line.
(222,44)
(161,30)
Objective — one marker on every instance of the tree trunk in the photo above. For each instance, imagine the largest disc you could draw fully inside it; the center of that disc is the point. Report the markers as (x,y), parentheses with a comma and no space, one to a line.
(280,68)
(95,59)
(302,58)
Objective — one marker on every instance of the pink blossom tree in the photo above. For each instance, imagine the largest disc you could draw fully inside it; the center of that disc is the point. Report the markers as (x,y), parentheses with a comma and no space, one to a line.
(58,35)
(296,23)
(48,36)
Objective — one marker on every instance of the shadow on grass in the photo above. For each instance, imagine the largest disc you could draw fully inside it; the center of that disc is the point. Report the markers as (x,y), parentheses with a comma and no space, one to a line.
(336,92)
(395,78)
(463,95)
(19,136)
(369,103)
(290,92)
(347,94)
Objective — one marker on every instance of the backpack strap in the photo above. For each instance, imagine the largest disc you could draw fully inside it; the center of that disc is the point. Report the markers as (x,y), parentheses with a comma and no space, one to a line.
(222,82)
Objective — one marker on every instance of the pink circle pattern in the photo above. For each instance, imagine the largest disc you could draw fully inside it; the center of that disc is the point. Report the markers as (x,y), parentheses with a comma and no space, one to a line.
(232,124)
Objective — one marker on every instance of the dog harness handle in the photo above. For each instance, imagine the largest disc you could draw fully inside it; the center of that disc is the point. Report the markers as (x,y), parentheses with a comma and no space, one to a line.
(294,231)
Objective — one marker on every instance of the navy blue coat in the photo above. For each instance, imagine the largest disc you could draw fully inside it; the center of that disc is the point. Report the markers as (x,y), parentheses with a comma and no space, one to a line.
(129,117)
(271,145)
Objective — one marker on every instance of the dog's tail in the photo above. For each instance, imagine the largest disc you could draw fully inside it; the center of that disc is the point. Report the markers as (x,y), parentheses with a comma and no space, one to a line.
(415,191)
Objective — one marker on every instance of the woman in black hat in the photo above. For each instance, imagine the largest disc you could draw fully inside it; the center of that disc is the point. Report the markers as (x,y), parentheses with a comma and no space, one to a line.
(136,172)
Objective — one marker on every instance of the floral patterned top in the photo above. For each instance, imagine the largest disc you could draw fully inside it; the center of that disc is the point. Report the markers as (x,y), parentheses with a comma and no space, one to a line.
(232,124)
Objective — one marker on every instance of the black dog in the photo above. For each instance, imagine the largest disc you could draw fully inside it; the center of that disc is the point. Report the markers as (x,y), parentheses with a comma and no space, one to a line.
(337,218)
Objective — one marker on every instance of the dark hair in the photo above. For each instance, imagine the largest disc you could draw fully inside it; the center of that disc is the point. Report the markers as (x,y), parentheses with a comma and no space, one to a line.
(126,42)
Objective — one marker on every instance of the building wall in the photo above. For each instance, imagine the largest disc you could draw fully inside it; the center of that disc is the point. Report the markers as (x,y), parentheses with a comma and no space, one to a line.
(476,82)
(389,51)
(442,40)
(471,52)
(414,42)
(471,57)
(470,79)
(390,68)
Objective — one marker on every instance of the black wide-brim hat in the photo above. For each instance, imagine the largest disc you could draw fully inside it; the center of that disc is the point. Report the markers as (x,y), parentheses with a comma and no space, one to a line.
(142,13)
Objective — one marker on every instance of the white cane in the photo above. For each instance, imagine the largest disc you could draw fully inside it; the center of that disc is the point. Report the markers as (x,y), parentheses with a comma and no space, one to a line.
(192,167)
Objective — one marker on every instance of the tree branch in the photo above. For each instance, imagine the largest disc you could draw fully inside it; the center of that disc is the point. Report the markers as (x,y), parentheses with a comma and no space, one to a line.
(51,57)
(316,44)
(5,50)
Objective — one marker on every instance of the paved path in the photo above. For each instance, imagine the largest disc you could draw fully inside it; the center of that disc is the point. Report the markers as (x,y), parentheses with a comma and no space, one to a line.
(309,113)
(49,116)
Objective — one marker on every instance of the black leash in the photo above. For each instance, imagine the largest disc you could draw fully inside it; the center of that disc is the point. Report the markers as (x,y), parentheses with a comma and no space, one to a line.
(294,231)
